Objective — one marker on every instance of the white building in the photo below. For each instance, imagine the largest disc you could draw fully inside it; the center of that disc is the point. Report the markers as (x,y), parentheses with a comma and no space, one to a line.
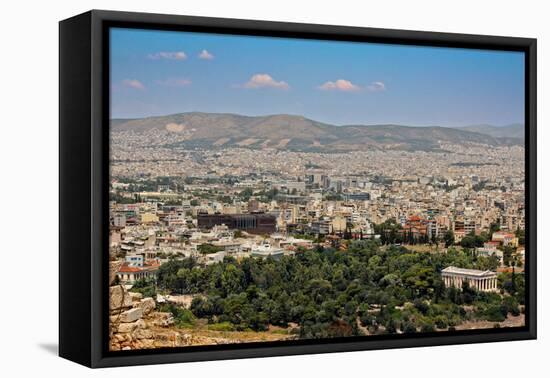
(478,279)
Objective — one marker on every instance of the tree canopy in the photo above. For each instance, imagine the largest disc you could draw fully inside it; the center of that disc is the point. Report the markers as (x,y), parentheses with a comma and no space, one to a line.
(330,293)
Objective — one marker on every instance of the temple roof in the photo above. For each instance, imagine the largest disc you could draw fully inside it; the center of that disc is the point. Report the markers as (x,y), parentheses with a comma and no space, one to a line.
(468,272)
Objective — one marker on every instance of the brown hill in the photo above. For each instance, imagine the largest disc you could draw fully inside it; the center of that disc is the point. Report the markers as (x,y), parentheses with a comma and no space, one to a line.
(215,130)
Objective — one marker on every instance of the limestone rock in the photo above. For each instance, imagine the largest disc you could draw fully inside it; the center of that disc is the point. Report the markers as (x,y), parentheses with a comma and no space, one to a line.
(147,343)
(143,334)
(127,327)
(119,298)
(140,324)
(131,315)
(147,305)
(136,297)
(114,266)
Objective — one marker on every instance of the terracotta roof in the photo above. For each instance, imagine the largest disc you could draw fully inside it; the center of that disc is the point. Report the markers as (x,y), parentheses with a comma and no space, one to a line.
(147,266)
(126,268)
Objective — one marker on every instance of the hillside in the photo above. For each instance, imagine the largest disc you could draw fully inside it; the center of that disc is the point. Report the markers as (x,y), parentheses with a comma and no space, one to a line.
(214,130)
(515,130)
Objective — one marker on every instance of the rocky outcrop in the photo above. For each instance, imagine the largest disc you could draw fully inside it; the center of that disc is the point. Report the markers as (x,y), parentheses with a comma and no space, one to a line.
(119,299)
(147,305)
(135,324)
(132,319)
(114,266)
(130,316)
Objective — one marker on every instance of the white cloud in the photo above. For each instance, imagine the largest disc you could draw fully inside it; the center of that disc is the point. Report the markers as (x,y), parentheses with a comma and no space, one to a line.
(133,83)
(204,54)
(376,86)
(170,55)
(339,85)
(174,82)
(265,81)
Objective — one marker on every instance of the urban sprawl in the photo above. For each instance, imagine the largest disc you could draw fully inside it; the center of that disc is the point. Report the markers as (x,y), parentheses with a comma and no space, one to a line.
(176,214)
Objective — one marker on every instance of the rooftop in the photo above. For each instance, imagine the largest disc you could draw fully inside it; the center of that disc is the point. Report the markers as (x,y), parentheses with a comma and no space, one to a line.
(468,272)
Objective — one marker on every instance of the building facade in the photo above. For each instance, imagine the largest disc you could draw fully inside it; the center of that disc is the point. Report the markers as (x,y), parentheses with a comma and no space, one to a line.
(478,279)
(259,223)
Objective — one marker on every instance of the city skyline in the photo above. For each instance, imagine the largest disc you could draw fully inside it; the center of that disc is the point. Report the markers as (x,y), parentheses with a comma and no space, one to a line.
(159,72)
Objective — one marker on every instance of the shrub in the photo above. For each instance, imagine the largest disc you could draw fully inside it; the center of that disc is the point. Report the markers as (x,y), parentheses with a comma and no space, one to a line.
(427,327)
(495,313)
(441,322)
(223,326)
(408,327)
(421,306)
(391,327)
(183,317)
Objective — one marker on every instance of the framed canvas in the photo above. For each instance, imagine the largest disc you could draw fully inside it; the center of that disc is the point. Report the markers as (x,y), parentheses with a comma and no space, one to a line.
(235,188)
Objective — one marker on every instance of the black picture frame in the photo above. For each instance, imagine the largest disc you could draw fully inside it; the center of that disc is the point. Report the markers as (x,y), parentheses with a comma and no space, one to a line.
(84,172)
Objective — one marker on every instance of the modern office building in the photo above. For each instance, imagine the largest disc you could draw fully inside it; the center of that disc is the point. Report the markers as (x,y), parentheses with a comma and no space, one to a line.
(255,223)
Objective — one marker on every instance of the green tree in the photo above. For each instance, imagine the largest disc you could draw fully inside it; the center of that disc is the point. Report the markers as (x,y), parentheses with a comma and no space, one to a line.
(207,249)
(449,238)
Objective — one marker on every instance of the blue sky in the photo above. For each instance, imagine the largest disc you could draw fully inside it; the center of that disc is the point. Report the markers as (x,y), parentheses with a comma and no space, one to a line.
(164,72)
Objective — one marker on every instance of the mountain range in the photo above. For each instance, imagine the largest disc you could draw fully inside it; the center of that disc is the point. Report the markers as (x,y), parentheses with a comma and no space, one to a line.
(515,130)
(292,132)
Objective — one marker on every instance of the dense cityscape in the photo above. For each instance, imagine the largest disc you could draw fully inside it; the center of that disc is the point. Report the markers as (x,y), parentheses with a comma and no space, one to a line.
(258,242)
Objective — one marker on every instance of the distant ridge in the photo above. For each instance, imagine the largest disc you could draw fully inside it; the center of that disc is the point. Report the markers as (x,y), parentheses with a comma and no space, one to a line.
(516,130)
(292,132)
